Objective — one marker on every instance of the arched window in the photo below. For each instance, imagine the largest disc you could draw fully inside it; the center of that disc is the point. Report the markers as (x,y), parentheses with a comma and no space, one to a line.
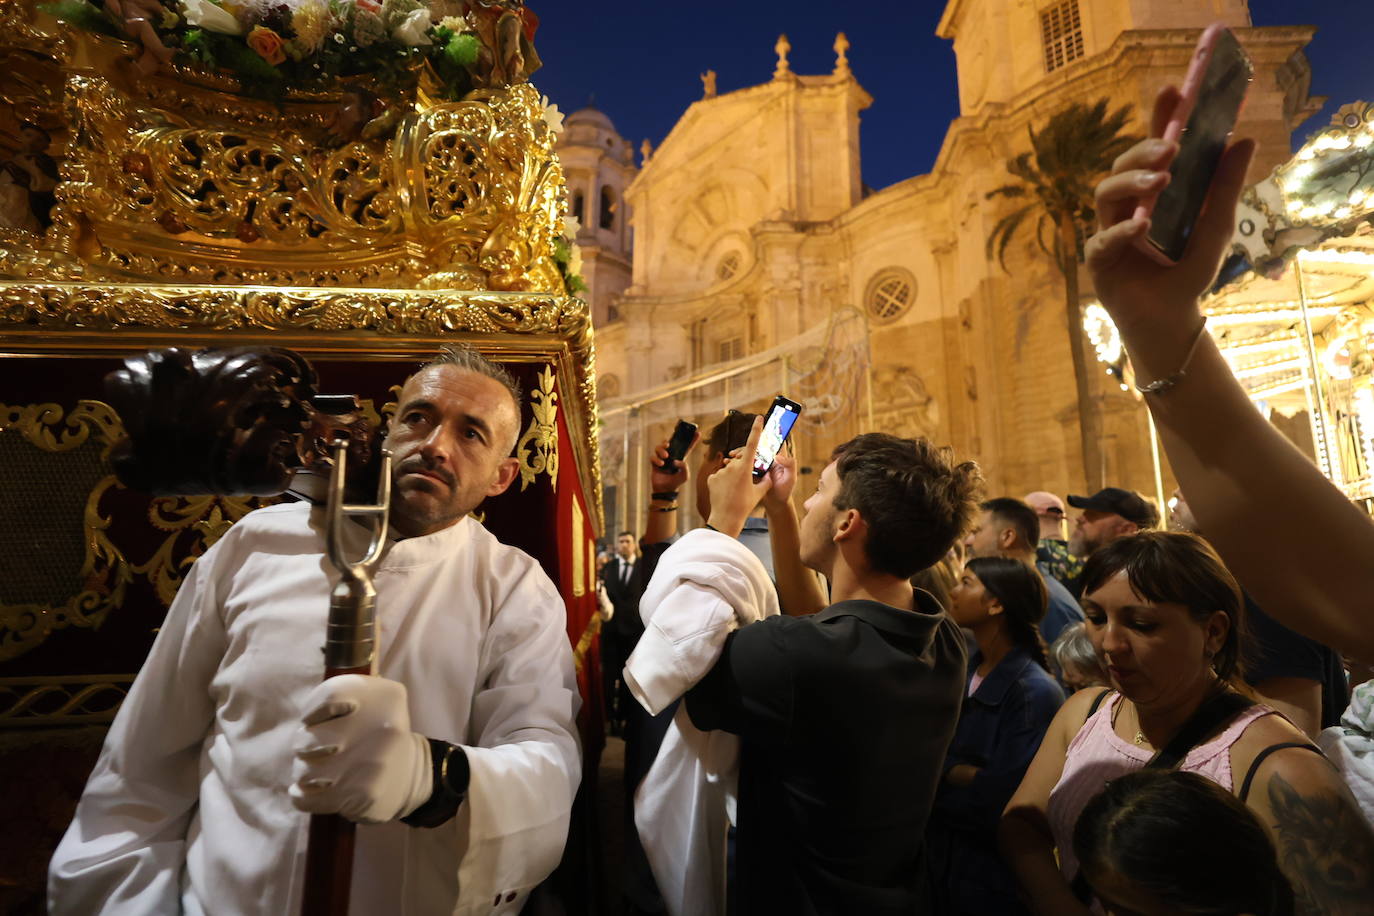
(577,205)
(607,207)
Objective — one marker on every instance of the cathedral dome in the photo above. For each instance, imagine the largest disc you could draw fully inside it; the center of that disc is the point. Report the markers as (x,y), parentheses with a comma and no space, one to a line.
(590,116)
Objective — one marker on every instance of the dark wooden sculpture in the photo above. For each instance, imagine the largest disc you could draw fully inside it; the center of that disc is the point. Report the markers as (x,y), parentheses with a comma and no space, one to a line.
(211,421)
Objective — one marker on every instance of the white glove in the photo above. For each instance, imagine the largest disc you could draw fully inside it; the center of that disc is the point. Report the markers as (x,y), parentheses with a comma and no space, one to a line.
(356,754)
(603,601)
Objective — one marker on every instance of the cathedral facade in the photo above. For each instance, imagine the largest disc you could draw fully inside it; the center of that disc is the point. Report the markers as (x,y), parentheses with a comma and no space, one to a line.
(761,264)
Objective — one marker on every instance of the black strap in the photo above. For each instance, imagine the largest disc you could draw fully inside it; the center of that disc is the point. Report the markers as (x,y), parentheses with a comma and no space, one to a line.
(1214,711)
(1211,715)
(1259,758)
(1097,701)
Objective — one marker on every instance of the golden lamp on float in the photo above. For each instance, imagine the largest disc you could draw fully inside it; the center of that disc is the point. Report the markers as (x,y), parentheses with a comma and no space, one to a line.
(1293,312)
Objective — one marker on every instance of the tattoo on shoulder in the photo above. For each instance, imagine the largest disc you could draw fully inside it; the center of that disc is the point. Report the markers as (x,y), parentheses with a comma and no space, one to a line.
(1325,847)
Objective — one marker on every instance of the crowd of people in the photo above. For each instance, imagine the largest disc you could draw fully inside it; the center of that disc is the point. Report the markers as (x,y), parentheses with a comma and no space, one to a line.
(910,696)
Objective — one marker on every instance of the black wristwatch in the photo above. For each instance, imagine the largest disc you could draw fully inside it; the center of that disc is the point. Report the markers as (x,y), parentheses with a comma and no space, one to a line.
(449,768)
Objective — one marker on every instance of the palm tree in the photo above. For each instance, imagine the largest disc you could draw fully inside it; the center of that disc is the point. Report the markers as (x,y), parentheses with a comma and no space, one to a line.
(1068,156)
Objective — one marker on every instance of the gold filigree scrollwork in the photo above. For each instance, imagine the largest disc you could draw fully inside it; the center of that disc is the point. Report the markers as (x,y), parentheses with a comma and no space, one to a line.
(206,518)
(104,574)
(75,700)
(174,184)
(538,447)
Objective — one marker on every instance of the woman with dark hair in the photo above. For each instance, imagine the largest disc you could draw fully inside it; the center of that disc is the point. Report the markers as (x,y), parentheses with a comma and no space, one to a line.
(1166,618)
(1010,701)
(1164,841)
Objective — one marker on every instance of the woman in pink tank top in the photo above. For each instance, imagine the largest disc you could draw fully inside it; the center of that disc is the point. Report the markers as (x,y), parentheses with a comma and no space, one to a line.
(1166,619)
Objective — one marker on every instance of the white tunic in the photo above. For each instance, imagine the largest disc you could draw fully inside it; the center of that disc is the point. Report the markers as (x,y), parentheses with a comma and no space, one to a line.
(706,585)
(187,809)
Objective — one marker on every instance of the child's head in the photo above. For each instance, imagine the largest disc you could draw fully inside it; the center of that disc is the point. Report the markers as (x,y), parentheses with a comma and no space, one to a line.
(1166,841)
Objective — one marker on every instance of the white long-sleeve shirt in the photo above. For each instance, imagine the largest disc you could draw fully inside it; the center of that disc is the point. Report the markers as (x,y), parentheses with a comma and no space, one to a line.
(705,585)
(187,808)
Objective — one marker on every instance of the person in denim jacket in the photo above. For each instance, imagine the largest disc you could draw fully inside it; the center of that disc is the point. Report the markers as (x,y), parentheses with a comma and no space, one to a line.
(1010,701)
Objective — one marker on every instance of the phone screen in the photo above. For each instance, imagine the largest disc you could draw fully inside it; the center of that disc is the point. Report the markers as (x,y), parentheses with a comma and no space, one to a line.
(776,427)
(1200,147)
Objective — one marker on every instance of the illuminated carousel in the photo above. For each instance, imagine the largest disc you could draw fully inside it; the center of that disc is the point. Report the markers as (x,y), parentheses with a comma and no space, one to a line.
(357,181)
(1293,312)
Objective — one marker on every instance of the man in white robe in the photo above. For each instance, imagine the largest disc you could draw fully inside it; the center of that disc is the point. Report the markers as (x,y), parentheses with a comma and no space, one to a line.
(466,730)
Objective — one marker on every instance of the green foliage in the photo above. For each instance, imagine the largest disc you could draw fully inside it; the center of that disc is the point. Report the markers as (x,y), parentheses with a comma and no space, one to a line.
(81,14)
(226,52)
(462,49)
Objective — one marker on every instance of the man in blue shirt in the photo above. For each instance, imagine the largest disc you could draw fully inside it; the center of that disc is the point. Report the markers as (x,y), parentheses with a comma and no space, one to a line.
(1009,528)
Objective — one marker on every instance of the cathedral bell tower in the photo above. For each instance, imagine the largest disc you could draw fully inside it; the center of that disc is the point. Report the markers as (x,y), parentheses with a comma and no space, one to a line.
(598,165)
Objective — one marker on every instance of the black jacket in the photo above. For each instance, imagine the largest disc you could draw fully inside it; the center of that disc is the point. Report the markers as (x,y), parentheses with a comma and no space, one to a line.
(844,719)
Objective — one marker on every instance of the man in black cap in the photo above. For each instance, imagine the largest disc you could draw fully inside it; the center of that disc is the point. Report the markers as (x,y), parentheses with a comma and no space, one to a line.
(1108,514)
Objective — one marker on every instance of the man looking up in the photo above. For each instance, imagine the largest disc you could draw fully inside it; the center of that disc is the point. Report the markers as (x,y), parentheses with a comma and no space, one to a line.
(1300,678)
(1108,514)
(1007,527)
(844,716)
(1052,555)
(459,757)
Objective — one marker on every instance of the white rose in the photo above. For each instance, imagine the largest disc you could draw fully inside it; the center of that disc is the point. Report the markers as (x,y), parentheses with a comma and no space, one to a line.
(571,226)
(575,261)
(205,15)
(412,29)
(552,116)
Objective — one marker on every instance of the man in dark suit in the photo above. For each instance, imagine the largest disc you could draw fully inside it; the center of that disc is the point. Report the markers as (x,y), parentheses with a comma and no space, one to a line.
(624,584)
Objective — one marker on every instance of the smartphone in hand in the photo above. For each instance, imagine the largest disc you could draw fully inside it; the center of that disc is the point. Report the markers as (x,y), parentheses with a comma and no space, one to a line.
(681,440)
(777,425)
(1212,95)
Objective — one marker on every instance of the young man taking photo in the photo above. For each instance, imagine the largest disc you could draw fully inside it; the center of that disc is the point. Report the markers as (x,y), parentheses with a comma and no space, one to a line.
(843,716)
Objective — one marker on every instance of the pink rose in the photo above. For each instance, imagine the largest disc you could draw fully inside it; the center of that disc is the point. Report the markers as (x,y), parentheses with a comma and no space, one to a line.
(371,6)
(268,45)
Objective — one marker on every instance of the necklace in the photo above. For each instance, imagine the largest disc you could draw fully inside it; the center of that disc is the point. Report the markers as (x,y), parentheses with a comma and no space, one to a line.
(1139,738)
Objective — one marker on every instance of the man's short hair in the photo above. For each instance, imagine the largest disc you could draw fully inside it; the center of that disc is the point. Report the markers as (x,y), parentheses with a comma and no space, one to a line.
(626,534)
(913,496)
(1019,516)
(465,356)
(730,433)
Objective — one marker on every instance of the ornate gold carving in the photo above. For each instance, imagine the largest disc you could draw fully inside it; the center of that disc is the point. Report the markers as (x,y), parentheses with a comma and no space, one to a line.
(75,700)
(205,517)
(579,550)
(538,447)
(183,180)
(584,642)
(105,573)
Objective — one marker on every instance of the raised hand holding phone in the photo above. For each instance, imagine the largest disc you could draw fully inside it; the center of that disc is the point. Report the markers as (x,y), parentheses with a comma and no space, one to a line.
(667,471)
(735,491)
(1156,307)
(1201,122)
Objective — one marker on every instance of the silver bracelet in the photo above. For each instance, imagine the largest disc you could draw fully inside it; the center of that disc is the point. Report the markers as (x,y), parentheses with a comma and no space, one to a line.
(1159,386)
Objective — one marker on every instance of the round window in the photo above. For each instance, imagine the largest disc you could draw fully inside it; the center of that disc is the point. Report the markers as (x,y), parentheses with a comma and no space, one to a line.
(608,386)
(890,294)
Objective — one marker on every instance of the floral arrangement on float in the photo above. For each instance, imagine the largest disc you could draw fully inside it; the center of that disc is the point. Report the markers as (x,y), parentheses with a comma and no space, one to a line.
(276,45)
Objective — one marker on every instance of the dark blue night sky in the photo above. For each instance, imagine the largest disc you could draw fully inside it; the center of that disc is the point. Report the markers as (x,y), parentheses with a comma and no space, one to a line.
(641,60)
